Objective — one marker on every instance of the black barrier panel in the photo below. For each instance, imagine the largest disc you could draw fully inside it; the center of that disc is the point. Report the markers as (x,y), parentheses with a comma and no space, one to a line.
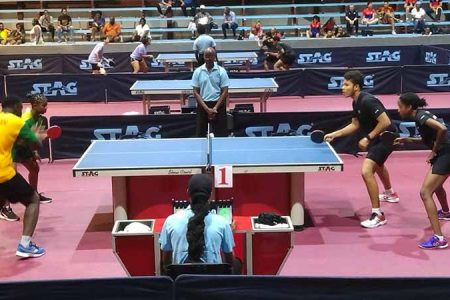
(291,83)
(137,288)
(61,88)
(426,79)
(383,56)
(431,55)
(26,64)
(79,131)
(119,85)
(383,80)
(2,87)
(76,63)
(192,287)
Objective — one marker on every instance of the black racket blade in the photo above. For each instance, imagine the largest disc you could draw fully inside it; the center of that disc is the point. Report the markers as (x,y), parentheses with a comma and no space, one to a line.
(317,136)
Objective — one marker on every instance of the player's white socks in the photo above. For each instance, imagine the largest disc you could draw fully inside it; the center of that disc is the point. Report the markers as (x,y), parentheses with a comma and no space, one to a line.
(377,211)
(440,237)
(25,241)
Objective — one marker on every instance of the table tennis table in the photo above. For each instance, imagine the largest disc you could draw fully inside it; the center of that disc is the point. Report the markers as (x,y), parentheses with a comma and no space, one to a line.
(170,60)
(261,87)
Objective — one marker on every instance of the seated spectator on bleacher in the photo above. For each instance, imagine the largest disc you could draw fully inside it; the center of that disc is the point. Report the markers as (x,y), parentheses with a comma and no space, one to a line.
(352,20)
(409,5)
(329,34)
(4,32)
(229,22)
(314,28)
(435,10)
(329,25)
(112,30)
(17,36)
(167,5)
(36,37)
(142,30)
(188,3)
(204,18)
(340,32)
(203,42)
(386,15)
(369,15)
(418,15)
(46,22)
(139,56)
(64,25)
(97,24)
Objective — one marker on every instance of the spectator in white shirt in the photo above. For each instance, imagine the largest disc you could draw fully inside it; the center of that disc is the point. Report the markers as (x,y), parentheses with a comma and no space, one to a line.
(229,22)
(46,22)
(141,31)
(36,33)
(418,14)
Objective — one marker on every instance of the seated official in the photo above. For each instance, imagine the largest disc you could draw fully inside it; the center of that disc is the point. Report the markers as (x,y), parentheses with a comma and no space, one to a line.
(196,235)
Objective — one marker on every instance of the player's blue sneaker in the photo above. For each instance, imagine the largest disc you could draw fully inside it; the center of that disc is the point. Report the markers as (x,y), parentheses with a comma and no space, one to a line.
(434,243)
(31,251)
(442,215)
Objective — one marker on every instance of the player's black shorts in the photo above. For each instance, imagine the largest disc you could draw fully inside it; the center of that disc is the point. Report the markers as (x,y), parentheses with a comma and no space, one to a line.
(16,190)
(441,163)
(271,59)
(288,59)
(95,67)
(23,153)
(379,153)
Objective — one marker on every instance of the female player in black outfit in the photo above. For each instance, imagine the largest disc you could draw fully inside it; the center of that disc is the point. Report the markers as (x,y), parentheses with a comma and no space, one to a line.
(433,134)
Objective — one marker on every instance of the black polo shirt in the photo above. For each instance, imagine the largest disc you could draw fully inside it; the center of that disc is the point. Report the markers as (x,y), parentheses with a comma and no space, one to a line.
(427,133)
(367,108)
(288,51)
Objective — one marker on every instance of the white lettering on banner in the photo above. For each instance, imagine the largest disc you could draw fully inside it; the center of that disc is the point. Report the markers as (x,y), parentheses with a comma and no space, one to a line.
(86,65)
(317,57)
(441,79)
(282,128)
(130,130)
(24,64)
(336,82)
(430,57)
(55,88)
(383,56)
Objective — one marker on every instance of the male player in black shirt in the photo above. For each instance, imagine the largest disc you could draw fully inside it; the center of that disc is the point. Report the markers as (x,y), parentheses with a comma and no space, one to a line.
(370,120)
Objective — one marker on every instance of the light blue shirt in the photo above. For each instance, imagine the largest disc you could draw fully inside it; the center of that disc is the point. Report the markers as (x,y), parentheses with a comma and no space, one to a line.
(230,17)
(210,83)
(203,42)
(218,236)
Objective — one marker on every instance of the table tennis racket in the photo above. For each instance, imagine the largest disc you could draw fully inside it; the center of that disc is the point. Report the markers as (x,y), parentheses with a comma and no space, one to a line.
(388,137)
(54,132)
(317,136)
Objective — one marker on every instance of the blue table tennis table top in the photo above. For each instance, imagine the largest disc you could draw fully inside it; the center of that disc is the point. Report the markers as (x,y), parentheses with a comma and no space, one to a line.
(189,156)
(248,85)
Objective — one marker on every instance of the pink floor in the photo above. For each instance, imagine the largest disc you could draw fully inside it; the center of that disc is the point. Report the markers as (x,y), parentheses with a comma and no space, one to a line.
(75,228)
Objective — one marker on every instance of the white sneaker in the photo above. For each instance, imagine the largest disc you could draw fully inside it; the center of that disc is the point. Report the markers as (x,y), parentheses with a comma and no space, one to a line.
(392,198)
(374,221)
(393,32)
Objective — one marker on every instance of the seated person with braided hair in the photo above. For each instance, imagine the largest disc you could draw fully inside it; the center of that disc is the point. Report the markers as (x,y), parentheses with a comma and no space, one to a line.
(196,235)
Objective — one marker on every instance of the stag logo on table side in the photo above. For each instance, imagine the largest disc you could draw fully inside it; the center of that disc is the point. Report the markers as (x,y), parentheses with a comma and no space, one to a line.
(336,82)
(383,56)
(86,65)
(439,80)
(315,58)
(52,89)
(430,57)
(25,64)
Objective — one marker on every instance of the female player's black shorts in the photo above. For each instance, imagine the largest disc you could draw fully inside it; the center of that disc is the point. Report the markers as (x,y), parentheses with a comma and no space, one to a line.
(16,190)
(379,153)
(441,163)
(23,153)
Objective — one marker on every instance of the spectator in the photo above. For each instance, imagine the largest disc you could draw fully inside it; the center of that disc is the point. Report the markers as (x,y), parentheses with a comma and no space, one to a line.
(139,56)
(4,32)
(142,30)
(64,25)
(97,24)
(352,19)
(17,36)
(36,33)
(112,30)
(329,25)
(314,28)
(435,10)
(256,33)
(386,15)
(229,22)
(275,33)
(427,31)
(409,5)
(340,32)
(46,22)
(205,19)
(167,5)
(329,34)
(369,15)
(202,43)
(418,15)
(188,3)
